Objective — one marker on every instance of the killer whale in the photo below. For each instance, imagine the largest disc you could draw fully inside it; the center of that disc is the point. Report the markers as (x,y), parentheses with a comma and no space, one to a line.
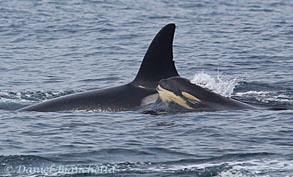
(157,64)
(182,95)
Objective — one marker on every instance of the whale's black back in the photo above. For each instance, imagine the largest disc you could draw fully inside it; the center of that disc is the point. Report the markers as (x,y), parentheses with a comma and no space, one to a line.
(157,64)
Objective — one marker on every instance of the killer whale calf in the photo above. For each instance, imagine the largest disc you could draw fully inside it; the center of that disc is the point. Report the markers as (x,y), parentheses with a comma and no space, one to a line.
(157,64)
(180,94)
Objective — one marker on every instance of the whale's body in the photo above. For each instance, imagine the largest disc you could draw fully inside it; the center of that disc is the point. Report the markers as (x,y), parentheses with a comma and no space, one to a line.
(156,85)
(157,64)
(179,92)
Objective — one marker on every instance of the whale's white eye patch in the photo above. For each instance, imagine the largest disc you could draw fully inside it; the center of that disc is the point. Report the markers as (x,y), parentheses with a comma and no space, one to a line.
(191,98)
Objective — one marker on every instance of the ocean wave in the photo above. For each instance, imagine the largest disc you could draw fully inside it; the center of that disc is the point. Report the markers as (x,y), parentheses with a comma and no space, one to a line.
(12,100)
(266,96)
(261,165)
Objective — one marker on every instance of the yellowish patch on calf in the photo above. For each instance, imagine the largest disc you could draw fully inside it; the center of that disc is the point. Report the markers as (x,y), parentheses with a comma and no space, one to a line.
(168,96)
(191,98)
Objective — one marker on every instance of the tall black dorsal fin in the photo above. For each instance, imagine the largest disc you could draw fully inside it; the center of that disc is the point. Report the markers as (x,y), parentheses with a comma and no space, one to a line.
(158,61)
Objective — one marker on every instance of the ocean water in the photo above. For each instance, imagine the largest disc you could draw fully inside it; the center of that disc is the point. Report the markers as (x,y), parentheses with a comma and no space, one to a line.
(50,48)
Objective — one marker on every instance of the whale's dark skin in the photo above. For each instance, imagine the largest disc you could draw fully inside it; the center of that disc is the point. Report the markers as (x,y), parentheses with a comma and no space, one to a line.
(157,64)
(191,97)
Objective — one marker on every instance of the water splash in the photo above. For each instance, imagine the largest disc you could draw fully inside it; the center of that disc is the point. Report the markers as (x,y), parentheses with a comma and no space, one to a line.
(216,84)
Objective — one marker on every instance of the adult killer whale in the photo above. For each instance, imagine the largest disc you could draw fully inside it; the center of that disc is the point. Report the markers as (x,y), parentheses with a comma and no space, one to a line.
(157,64)
(180,94)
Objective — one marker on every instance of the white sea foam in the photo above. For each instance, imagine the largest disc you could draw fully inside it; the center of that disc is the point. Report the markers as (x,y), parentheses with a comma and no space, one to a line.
(14,97)
(257,168)
(217,84)
(266,96)
(28,96)
(247,168)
